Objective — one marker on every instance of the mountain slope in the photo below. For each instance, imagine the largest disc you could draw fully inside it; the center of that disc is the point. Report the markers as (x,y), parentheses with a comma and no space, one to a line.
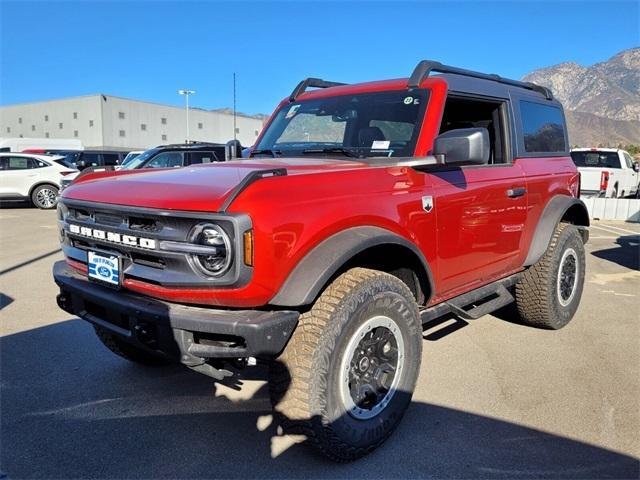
(602,101)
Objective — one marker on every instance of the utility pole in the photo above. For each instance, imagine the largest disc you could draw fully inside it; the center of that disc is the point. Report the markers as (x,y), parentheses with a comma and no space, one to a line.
(186,94)
(234,106)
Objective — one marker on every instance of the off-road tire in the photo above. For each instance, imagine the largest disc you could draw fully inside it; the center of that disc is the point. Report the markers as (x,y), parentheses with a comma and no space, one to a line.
(537,292)
(40,197)
(128,351)
(305,380)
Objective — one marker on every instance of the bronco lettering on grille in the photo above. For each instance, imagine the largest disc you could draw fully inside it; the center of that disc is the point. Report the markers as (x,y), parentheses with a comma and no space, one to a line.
(122,239)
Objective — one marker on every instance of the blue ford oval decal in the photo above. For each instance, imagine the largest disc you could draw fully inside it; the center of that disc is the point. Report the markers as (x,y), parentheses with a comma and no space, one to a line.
(104,272)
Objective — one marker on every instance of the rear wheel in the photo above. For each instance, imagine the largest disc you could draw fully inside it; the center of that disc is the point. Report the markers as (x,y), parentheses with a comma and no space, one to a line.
(347,375)
(126,350)
(45,197)
(549,292)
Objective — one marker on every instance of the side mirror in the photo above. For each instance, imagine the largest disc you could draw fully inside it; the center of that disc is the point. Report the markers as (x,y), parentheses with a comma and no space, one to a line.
(232,149)
(463,145)
(636,166)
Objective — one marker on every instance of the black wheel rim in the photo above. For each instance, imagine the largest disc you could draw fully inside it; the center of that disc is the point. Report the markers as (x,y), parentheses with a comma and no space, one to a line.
(372,367)
(567,277)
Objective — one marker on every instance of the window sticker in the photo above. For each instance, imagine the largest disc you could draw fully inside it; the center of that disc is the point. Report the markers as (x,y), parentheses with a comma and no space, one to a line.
(292,111)
(408,100)
(380,145)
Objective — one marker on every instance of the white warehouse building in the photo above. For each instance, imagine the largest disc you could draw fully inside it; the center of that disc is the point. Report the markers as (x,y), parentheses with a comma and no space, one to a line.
(105,122)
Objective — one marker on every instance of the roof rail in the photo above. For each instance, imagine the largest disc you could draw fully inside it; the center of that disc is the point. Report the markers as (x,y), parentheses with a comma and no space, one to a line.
(311,82)
(425,67)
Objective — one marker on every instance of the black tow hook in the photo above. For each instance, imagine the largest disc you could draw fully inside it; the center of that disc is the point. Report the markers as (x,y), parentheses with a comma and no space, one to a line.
(64,302)
(145,334)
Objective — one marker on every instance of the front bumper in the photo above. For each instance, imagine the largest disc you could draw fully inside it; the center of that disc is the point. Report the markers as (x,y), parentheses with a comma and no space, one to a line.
(192,335)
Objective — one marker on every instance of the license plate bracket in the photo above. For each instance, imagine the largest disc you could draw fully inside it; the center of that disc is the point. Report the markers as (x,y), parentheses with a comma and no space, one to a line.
(104,268)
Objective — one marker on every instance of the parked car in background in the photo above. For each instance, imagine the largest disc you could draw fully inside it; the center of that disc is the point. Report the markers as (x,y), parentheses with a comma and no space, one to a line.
(606,172)
(32,177)
(166,156)
(39,145)
(94,158)
(130,156)
(179,155)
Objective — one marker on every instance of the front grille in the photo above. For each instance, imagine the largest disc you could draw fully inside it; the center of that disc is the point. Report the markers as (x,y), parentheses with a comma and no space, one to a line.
(107,219)
(79,214)
(147,260)
(143,224)
(135,235)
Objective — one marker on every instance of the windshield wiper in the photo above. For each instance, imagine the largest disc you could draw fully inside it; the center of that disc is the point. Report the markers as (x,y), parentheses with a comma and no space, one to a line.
(342,150)
(266,151)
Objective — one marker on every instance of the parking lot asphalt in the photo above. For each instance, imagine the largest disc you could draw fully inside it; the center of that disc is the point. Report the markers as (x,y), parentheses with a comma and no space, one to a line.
(494,399)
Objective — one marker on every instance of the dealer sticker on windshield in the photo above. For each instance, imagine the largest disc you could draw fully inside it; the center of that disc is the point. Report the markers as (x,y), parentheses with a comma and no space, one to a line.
(380,145)
(292,111)
(103,268)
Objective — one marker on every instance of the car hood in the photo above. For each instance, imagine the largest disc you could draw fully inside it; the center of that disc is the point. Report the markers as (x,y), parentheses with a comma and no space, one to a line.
(195,188)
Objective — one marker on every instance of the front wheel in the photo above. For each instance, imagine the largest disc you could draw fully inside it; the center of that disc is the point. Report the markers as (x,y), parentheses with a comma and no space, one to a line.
(45,197)
(549,292)
(347,375)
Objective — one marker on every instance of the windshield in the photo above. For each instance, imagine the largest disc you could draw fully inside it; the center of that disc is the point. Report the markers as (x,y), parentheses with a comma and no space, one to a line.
(129,157)
(139,160)
(596,159)
(379,124)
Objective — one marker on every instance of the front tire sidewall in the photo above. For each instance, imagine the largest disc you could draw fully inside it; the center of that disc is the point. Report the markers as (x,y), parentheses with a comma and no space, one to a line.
(363,433)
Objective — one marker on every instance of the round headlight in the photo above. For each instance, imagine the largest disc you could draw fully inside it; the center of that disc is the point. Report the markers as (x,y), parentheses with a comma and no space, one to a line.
(219,260)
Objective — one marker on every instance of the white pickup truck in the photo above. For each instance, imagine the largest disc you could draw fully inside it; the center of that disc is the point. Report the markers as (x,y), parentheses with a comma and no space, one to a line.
(606,172)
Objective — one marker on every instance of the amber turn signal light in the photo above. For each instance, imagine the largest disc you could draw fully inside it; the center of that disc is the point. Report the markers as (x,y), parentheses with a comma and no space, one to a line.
(248,248)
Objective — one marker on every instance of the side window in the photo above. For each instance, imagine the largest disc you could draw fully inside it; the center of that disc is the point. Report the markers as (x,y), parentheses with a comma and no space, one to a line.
(21,163)
(90,159)
(542,127)
(202,157)
(628,159)
(167,160)
(110,158)
(464,112)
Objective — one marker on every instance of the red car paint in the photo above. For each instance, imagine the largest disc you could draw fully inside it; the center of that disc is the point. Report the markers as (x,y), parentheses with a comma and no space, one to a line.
(474,235)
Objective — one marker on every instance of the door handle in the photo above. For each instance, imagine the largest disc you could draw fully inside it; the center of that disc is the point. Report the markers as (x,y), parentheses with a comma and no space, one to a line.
(516,192)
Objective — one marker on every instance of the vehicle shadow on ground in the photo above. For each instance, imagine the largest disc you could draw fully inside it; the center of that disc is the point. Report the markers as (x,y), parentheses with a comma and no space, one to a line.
(16,204)
(626,254)
(71,409)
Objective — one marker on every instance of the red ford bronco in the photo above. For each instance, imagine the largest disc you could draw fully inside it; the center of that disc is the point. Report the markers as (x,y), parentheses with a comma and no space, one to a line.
(364,211)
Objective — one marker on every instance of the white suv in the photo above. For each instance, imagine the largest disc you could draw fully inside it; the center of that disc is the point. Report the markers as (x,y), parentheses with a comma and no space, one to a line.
(32,177)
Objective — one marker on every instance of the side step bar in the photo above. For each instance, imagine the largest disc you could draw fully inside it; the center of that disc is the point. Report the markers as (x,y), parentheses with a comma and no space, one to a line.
(475,304)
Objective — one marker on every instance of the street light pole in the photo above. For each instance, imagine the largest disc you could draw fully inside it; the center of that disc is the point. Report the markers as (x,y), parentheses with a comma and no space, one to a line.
(186,94)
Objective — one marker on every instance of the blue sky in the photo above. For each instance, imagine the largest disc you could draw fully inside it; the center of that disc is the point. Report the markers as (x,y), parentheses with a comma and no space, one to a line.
(148,50)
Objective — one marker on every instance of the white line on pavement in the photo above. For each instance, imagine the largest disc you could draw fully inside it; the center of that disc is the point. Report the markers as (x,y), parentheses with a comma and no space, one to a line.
(616,228)
(619,233)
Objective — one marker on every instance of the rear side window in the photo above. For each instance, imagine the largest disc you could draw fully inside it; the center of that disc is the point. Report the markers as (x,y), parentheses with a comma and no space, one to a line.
(110,158)
(167,160)
(596,159)
(202,157)
(543,128)
(21,163)
(91,159)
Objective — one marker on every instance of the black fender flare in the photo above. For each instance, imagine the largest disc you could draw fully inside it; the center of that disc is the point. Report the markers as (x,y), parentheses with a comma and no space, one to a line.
(553,213)
(321,263)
